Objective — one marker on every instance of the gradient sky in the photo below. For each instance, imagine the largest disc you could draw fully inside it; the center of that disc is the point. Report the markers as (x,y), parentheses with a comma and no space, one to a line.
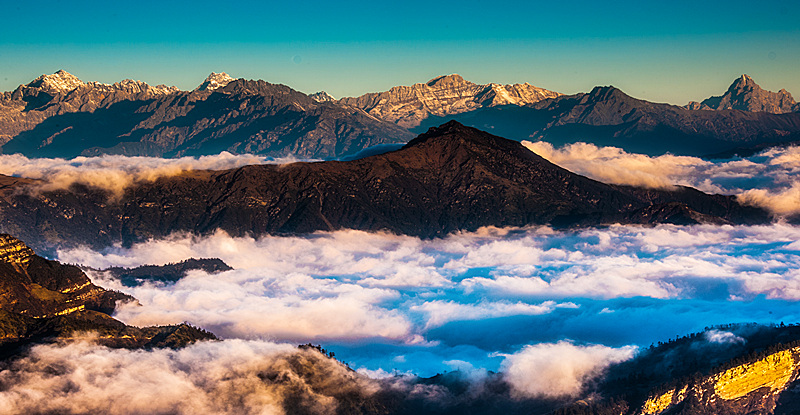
(667,52)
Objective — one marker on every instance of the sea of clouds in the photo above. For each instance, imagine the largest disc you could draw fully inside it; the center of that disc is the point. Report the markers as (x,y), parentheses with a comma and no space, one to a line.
(389,302)
(559,304)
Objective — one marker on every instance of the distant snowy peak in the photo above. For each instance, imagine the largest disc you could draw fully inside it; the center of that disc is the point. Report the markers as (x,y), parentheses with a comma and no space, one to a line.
(322,96)
(215,81)
(63,82)
(445,95)
(60,82)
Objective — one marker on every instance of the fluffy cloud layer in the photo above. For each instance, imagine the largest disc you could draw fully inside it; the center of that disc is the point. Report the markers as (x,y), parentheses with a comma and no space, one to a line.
(471,294)
(230,377)
(769,179)
(556,370)
(115,173)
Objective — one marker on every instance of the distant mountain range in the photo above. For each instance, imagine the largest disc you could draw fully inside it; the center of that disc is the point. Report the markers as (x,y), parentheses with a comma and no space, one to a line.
(606,116)
(59,115)
(451,178)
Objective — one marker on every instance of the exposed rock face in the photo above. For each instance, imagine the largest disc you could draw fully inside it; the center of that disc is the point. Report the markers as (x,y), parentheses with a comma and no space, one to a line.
(744,94)
(451,178)
(408,106)
(48,119)
(41,299)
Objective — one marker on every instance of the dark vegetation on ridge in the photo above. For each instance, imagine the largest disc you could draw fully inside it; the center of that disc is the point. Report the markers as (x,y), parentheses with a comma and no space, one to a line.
(43,300)
(168,273)
(449,179)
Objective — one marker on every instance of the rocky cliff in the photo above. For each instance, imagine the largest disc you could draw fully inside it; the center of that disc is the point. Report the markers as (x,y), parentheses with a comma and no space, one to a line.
(408,106)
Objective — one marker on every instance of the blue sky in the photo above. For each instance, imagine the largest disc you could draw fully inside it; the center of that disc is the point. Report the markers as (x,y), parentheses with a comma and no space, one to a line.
(667,51)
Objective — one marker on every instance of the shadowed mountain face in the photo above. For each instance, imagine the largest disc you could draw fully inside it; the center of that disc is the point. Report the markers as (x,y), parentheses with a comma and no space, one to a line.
(608,117)
(67,118)
(451,178)
(744,94)
(42,299)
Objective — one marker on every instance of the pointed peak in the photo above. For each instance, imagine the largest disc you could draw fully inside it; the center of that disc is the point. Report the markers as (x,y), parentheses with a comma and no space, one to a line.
(215,81)
(59,82)
(446,80)
(449,128)
(606,92)
(743,81)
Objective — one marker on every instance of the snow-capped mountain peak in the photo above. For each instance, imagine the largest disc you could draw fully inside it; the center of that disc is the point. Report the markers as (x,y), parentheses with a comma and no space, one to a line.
(214,81)
(59,82)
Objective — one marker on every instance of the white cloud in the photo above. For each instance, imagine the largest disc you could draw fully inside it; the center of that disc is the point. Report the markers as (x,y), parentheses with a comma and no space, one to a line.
(555,370)
(441,312)
(226,377)
(768,179)
(723,337)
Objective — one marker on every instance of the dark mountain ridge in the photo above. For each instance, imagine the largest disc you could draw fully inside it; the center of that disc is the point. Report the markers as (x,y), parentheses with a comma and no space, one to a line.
(449,179)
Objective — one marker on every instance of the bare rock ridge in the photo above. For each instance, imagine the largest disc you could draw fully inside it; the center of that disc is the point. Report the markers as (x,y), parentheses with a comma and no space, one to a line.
(446,95)
(745,95)
(41,299)
(451,178)
(60,116)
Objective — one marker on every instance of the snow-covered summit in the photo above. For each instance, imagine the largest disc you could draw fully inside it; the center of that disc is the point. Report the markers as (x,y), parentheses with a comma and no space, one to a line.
(322,96)
(59,82)
(214,81)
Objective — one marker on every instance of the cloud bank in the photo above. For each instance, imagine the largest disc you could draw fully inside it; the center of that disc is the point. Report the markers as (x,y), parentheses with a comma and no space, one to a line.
(469,295)
(768,179)
(115,173)
(230,377)
(558,370)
